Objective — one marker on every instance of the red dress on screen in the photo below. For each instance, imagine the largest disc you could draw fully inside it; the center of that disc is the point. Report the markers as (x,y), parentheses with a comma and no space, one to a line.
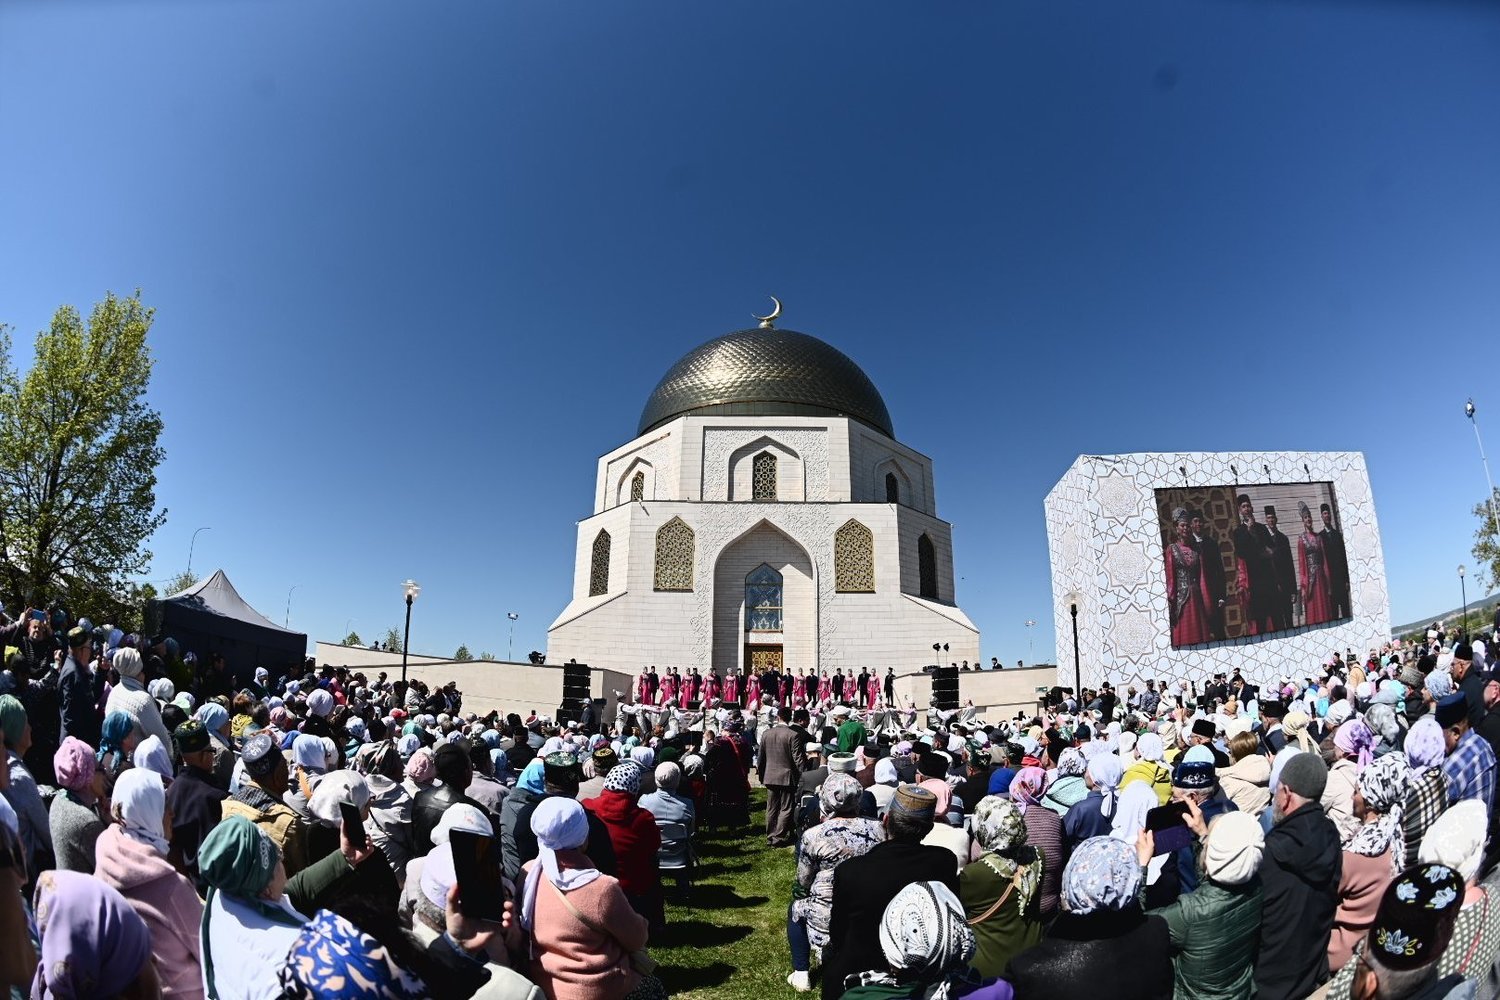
(1188,595)
(1317,602)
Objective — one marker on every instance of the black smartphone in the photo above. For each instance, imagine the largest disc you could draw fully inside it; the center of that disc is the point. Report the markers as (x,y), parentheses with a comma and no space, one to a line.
(354,826)
(480,894)
(1168,824)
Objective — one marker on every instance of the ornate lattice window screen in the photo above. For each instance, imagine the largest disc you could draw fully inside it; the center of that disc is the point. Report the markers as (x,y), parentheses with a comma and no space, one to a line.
(763,600)
(763,477)
(674,556)
(854,559)
(599,568)
(926,569)
(892,488)
(638,487)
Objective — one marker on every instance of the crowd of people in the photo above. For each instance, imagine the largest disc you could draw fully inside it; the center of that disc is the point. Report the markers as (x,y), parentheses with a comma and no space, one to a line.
(324,833)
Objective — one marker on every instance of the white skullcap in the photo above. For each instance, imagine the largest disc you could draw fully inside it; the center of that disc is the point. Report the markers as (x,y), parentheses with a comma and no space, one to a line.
(1456,838)
(1233,849)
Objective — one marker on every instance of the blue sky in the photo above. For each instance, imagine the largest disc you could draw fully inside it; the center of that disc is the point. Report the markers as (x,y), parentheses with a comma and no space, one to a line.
(417,265)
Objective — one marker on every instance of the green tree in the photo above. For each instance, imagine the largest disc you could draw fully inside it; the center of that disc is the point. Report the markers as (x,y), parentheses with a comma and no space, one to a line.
(486,655)
(182,581)
(79,447)
(1487,541)
(353,639)
(393,639)
(463,653)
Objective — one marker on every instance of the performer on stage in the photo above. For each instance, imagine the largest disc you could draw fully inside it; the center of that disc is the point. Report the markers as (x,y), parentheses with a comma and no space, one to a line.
(691,684)
(643,687)
(851,690)
(825,689)
(712,689)
(1312,560)
(799,688)
(752,691)
(732,685)
(1187,595)
(872,692)
(1255,578)
(1286,574)
(786,689)
(1338,565)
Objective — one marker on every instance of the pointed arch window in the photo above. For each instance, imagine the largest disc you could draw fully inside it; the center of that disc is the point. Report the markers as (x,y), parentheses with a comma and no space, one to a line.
(892,488)
(926,569)
(674,556)
(763,600)
(638,487)
(599,566)
(854,559)
(763,477)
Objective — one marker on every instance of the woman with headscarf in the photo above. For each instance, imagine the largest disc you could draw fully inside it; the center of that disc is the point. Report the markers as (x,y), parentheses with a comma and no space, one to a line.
(1094,814)
(374,879)
(132,858)
(1043,832)
(1001,889)
(1372,856)
(309,763)
(1101,932)
(884,788)
(842,834)
(1312,570)
(74,817)
(583,928)
(1427,794)
(333,958)
(153,755)
(727,768)
(389,820)
(131,697)
(1352,743)
(1215,929)
(927,949)
(92,943)
(1294,725)
(21,791)
(1069,787)
(515,816)
(215,719)
(1150,767)
(421,771)
(1381,718)
(248,923)
(460,816)
(1457,840)
(635,838)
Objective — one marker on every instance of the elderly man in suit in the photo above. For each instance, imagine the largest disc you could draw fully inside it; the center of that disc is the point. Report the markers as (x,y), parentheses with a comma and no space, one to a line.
(783,757)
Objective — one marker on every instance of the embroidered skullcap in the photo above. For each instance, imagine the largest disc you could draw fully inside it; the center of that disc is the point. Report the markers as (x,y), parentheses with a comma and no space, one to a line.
(1414,924)
(844,763)
(190,737)
(1193,775)
(914,800)
(998,824)
(624,778)
(260,755)
(559,767)
(1102,874)
(1233,848)
(924,934)
(1456,838)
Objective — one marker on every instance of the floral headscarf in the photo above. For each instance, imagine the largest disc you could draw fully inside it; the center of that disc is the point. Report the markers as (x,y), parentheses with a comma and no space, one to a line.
(926,939)
(334,960)
(1028,787)
(1103,874)
(1354,738)
(1071,764)
(93,942)
(1425,746)
(998,824)
(1383,785)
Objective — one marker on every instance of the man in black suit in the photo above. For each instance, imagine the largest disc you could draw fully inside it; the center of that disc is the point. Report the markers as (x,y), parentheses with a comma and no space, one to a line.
(1286,574)
(890,675)
(1338,563)
(1212,561)
(1257,569)
(770,684)
(862,886)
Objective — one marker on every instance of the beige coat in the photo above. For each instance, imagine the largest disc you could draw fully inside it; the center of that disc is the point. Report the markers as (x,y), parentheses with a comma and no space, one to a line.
(1248,783)
(1338,798)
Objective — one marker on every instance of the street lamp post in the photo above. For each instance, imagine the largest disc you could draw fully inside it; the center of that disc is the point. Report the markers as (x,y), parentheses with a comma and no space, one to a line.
(1489,498)
(288,622)
(1464,592)
(411,590)
(1077,667)
(510,649)
(191,544)
(1029,623)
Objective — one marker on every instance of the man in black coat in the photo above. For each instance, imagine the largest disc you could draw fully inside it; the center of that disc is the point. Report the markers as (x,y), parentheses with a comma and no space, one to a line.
(1300,873)
(1252,547)
(1286,573)
(1212,561)
(455,772)
(863,886)
(1338,563)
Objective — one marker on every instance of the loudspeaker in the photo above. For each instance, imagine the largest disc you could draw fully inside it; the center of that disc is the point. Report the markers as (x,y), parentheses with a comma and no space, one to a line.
(945,687)
(576,682)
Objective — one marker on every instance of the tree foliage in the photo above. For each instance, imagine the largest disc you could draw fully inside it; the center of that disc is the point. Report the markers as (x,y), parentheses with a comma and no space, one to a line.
(1487,540)
(463,654)
(182,581)
(353,639)
(393,639)
(486,655)
(79,448)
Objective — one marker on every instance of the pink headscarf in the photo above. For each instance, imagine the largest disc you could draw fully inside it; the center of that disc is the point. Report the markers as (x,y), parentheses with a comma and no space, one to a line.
(74,765)
(1354,737)
(421,768)
(1028,786)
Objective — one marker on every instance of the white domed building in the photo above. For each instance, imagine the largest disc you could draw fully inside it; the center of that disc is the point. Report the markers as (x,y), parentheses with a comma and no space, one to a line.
(763,515)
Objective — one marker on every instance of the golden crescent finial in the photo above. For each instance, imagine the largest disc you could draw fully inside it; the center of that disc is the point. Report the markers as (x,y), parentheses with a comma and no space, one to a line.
(769,322)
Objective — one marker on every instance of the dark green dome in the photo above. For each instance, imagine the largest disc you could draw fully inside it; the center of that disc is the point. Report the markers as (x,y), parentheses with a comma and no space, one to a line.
(766,372)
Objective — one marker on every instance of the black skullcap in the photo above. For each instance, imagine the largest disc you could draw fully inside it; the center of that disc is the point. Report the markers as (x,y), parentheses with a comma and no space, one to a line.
(1463,651)
(933,764)
(1204,728)
(1452,709)
(190,737)
(559,767)
(260,755)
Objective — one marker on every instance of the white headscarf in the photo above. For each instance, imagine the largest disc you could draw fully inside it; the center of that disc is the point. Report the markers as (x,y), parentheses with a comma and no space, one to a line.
(560,824)
(1149,747)
(1136,800)
(139,803)
(151,753)
(462,816)
(333,788)
(1106,769)
(309,752)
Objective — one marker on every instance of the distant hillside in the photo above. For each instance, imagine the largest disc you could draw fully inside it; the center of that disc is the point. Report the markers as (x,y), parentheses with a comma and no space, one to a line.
(1476,620)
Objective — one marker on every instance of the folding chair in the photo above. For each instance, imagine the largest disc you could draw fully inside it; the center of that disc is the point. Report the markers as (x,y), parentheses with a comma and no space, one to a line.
(676,855)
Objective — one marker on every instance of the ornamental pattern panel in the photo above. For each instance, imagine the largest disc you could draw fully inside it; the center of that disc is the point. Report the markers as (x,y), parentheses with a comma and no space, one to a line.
(721,442)
(658,454)
(854,559)
(599,565)
(763,476)
(1103,509)
(674,556)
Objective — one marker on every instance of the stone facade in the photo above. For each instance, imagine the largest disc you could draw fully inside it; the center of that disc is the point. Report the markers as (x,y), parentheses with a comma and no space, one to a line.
(1105,540)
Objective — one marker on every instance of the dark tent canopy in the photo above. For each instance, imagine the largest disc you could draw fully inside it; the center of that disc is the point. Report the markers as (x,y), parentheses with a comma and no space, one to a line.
(211,617)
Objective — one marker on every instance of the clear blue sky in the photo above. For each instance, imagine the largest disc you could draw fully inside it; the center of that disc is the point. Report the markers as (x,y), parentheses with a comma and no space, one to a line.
(417,265)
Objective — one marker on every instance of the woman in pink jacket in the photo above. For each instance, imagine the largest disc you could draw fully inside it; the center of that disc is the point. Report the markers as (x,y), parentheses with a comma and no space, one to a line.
(131,857)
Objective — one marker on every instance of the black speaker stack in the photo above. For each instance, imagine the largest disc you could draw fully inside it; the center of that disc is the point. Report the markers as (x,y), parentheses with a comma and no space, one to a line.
(945,687)
(576,684)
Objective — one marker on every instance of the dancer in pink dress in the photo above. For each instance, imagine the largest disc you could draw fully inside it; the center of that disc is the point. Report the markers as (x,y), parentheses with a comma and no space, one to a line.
(799,688)
(752,693)
(872,692)
(732,687)
(825,688)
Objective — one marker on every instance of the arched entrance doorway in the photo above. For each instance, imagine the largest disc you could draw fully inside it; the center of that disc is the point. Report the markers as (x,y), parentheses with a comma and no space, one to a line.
(765,604)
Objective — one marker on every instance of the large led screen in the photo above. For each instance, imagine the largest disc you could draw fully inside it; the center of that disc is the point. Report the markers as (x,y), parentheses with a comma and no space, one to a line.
(1252,560)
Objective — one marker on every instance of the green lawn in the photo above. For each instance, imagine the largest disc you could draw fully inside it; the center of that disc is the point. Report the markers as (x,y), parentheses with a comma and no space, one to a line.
(731,941)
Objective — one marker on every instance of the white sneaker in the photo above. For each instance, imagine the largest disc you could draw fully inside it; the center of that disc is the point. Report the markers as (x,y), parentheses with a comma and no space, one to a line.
(799,982)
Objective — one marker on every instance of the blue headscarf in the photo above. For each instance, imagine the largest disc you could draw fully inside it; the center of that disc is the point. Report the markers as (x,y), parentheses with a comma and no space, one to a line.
(532,778)
(117,726)
(212,715)
(501,764)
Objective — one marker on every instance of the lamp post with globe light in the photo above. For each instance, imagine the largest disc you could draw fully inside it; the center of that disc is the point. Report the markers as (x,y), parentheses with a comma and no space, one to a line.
(1073,600)
(510,649)
(410,590)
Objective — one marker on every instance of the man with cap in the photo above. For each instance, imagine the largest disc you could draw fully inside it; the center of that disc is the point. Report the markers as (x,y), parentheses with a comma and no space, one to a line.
(194,798)
(1195,779)
(1338,563)
(603,760)
(852,734)
(932,769)
(816,769)
(1285,573)
(1255,571)
(1470,765)
(1273,738)
(456,772)
(864,885)
(1469,681)
(76,697)
(1203,734)
(1399,957)
(1300,874)
(259,800)
(783,757)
